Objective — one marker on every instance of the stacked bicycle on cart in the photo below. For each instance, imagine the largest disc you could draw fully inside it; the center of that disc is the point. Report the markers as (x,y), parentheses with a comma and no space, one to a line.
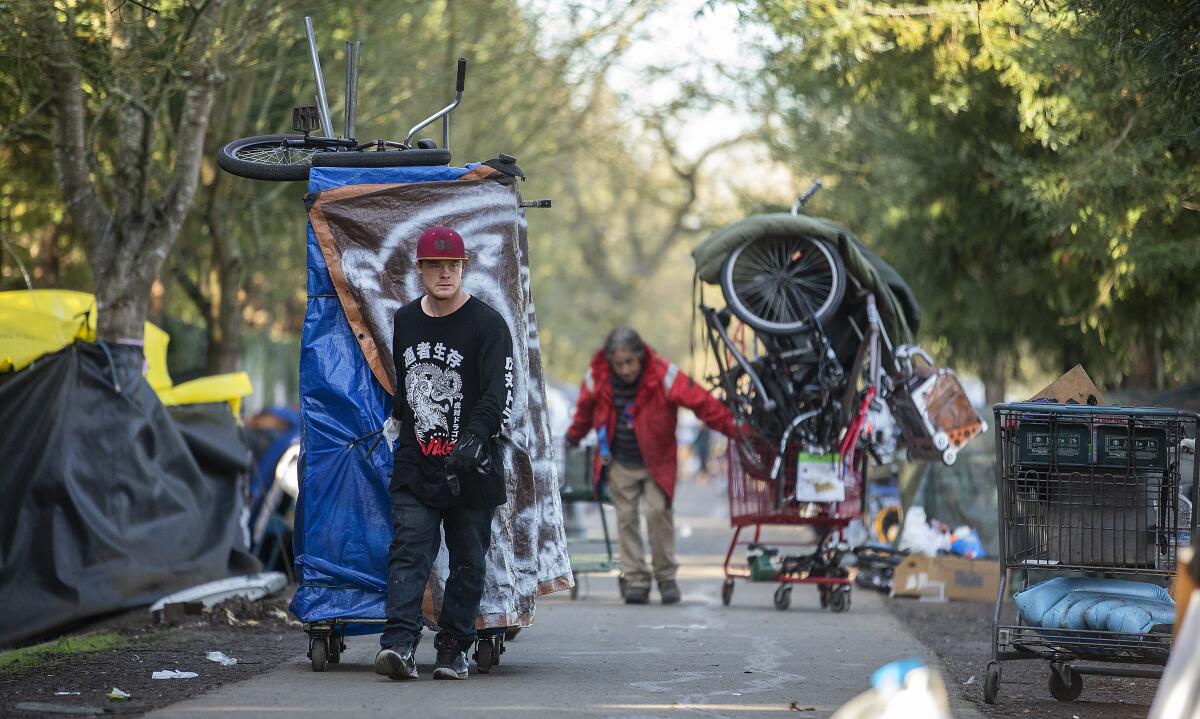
(813,357)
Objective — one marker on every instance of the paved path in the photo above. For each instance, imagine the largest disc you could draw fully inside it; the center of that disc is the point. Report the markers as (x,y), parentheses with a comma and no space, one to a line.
(599,657)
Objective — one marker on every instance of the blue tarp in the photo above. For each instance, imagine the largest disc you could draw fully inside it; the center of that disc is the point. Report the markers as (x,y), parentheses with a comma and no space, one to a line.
(342,526)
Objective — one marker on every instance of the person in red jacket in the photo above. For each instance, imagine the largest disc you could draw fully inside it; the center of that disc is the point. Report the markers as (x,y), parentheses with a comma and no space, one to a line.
(631,396)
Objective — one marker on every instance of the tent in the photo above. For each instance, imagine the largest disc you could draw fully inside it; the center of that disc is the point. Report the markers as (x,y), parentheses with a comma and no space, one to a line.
(118,486)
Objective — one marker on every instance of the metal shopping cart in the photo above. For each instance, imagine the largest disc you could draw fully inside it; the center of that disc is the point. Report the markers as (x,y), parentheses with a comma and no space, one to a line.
(589,554)
(1094,495)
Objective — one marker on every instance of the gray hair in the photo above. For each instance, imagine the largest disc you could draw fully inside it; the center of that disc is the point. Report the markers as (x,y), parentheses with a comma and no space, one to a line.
(623,338)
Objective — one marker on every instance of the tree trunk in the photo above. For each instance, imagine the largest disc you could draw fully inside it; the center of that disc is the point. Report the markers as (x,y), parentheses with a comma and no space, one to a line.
(995,380)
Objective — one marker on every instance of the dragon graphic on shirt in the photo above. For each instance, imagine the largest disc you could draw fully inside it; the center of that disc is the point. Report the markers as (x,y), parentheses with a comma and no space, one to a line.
(432,392)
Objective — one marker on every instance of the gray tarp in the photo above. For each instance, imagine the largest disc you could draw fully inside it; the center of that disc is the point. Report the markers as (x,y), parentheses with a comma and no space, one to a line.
(897,304)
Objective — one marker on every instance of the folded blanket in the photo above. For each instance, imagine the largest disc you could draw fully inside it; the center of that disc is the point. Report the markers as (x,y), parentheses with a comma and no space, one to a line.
(1112,605)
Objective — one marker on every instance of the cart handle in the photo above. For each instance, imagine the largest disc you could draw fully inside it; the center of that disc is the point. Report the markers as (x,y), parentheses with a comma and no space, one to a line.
(1085,409)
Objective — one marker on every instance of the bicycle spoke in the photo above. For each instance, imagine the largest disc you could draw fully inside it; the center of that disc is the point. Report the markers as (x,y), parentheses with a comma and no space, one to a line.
(276,155)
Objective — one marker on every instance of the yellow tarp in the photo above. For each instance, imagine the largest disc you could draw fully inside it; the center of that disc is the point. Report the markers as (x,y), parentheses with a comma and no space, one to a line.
(216,388)
(37,322)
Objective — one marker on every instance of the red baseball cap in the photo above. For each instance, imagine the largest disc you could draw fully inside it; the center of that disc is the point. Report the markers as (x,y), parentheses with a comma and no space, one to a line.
(441,243)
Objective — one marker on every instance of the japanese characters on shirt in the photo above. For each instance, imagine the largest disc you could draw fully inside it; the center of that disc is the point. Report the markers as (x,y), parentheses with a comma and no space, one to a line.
(433,388)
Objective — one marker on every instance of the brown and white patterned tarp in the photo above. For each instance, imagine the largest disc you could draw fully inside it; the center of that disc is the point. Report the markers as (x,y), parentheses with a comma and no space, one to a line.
(368,236)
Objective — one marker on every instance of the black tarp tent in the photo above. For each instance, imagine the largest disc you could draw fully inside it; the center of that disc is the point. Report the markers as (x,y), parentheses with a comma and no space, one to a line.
(110,499)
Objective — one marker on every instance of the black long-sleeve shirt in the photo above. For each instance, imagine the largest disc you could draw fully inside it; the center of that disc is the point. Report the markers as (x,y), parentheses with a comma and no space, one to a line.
(453,374)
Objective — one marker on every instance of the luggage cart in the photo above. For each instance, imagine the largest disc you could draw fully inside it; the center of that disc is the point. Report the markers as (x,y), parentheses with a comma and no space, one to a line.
(1084,489)
(589,555)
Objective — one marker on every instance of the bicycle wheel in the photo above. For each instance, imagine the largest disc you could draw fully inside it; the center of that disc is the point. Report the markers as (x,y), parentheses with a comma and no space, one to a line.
(268,157)
(780,285)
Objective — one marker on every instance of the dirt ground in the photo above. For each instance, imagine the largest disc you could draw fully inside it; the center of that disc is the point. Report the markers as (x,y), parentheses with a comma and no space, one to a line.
(960,634)
(260,635)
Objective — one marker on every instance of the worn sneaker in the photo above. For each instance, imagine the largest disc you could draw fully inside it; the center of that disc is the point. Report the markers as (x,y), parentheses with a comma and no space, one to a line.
(451,664)
(669,590)
(637,595)
(396,664)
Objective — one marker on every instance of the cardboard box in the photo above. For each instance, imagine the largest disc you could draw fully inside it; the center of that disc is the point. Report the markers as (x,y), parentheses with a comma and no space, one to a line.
(965,580)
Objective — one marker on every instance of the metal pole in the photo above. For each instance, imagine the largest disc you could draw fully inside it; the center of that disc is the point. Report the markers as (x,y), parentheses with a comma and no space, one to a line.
(351,88)
(322,101)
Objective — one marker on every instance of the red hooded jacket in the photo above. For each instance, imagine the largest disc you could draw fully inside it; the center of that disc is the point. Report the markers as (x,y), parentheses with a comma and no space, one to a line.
(663,388)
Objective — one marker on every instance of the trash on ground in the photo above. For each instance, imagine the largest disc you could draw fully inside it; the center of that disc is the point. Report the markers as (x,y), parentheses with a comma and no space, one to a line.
(118,695)
(177,612)
(924,537)
(221,658)
(250,586)
(970,681)
(66,694)
(965,542)
(173,674)
(960,579)
(907,688)
(52,708)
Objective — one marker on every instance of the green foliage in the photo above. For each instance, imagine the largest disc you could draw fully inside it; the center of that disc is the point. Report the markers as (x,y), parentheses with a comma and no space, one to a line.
(1023,185)
(13,659)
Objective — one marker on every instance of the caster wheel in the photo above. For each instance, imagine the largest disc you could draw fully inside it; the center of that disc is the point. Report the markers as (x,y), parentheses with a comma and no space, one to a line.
(783,597)
(1063,691)
(991,682)
(823,594)
(839,599)
(511,633)
(336,645)
(318,652)
(622,585)
(574,586)
(727,592)
(485,656)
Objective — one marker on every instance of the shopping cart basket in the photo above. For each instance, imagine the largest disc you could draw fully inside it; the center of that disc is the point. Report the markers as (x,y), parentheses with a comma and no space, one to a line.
(1086,490)
(588,554)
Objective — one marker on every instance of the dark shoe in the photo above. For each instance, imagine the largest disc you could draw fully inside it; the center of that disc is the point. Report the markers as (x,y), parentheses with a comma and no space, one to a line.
(451,664)
(669,591)
(637,595)
(395,664)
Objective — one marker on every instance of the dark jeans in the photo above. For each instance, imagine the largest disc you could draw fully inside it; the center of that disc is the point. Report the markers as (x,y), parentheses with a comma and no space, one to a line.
(415,543)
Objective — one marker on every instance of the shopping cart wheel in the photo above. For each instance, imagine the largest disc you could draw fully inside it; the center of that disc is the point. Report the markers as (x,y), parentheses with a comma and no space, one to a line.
(839,599)
(783,597)
(727,592)
(336,645)
(991,682)
(1066,684)
(318,651)
(485,655)
(511,633)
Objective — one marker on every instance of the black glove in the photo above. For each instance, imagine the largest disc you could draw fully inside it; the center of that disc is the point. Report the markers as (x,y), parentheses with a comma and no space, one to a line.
(469,455)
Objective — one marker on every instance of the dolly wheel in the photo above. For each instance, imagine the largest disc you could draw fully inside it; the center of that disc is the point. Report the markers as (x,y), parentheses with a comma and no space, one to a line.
(991,682)
(336,645)
(1060,689)
(319,654)
(484,656)
(727,592)
(839,599)
(783,597)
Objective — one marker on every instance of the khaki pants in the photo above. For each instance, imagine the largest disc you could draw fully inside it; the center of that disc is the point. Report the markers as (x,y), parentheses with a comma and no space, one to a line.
(631,487)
